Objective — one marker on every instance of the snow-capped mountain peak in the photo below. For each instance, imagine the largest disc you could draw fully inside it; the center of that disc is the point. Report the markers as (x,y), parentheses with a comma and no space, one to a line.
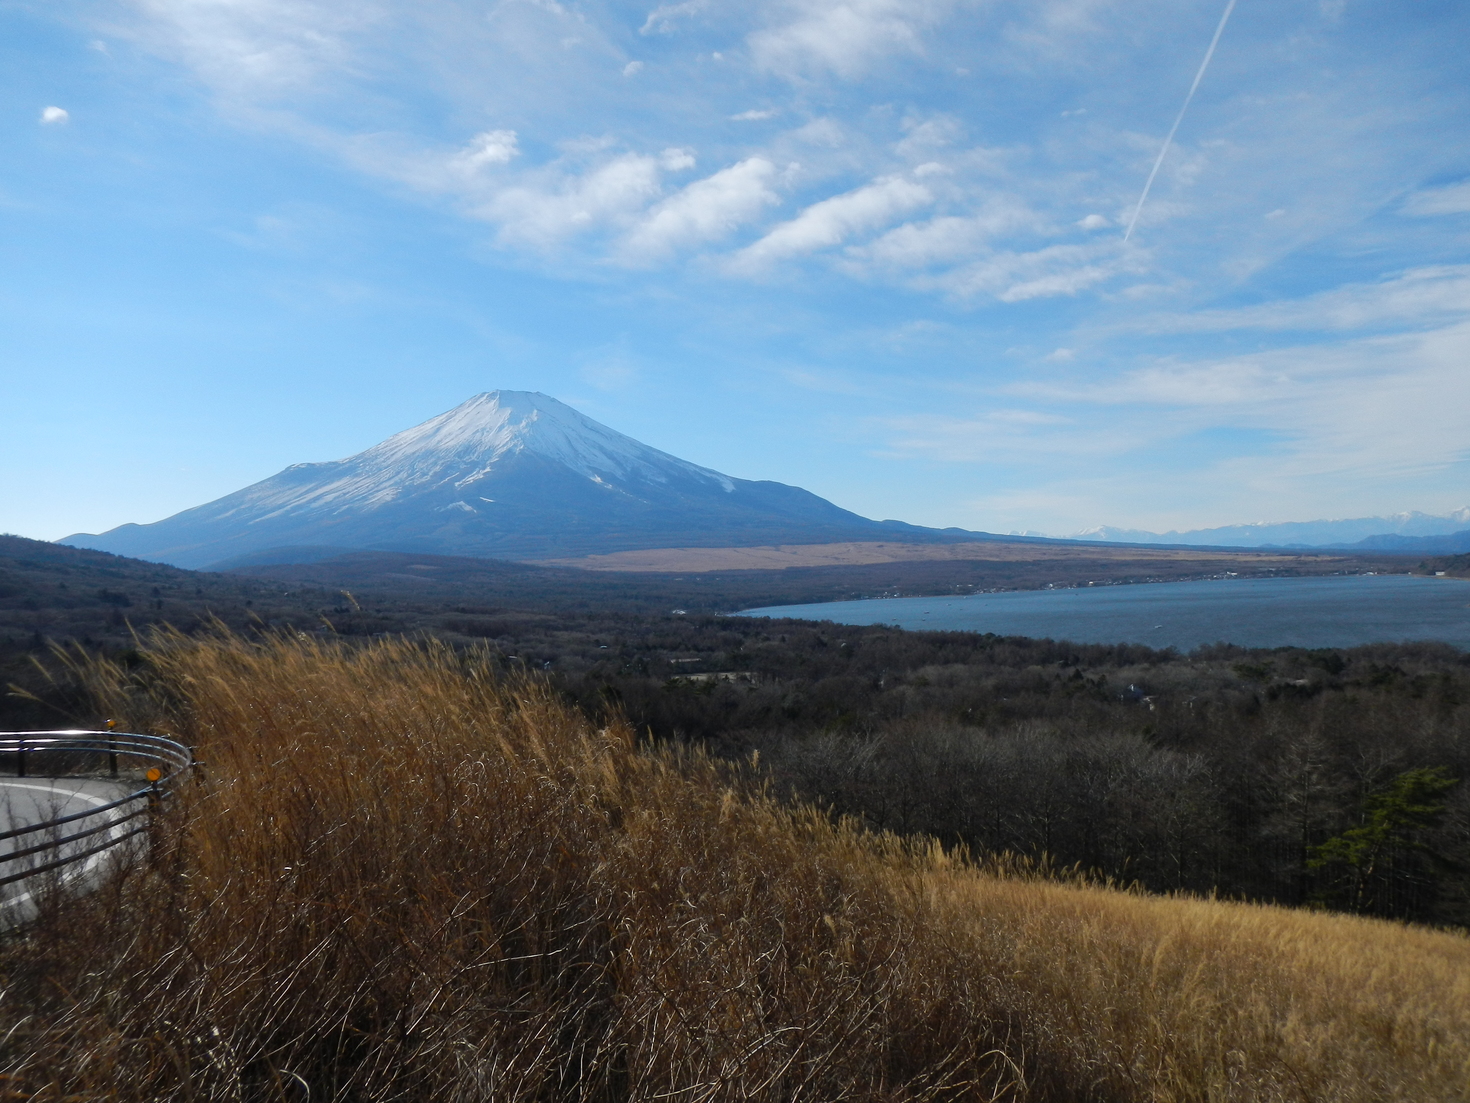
(467,444)
(505,473)
(478,432)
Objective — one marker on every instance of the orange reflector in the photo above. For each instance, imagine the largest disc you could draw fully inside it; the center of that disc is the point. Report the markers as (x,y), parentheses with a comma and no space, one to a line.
(153,774)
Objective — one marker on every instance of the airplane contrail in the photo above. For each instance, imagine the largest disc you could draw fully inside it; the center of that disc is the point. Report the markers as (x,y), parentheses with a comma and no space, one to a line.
(1229,7)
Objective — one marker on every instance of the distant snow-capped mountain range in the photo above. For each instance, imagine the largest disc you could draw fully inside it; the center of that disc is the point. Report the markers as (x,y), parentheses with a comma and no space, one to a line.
(1374,533)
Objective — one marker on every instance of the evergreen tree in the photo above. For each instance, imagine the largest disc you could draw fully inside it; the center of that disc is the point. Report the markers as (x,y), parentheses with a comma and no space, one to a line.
(1383,866)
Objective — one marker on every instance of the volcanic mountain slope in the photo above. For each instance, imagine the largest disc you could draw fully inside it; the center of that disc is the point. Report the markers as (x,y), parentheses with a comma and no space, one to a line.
(507,474)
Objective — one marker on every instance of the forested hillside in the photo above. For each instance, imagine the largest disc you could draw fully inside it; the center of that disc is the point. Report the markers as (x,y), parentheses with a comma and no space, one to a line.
(1226,770)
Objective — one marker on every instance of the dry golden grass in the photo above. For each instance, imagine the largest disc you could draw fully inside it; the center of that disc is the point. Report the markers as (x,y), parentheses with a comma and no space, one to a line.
(1184,999)
(406,879)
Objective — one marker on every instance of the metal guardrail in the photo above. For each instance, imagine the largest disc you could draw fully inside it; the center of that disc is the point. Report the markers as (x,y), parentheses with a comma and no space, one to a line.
(153,762)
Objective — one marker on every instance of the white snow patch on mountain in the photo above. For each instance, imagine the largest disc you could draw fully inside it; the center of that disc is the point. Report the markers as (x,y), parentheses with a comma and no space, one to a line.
(462,447)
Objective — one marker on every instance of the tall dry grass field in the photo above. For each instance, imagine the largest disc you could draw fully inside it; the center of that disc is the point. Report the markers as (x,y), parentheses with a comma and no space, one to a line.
(403,878)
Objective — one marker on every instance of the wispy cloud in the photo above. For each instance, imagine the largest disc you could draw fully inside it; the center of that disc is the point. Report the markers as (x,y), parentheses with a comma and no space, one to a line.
(1450,199)
(493,147)
(1368,405)
(1013,277)
(706,210)
(331,75)
(833,221)
(1315,431)
(665,18)
(1432,294)
(249,49)
(843,37)
(943,243)
(547,207)
(996,435)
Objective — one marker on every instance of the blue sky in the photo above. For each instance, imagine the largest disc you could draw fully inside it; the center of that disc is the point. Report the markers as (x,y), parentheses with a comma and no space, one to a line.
(870,247)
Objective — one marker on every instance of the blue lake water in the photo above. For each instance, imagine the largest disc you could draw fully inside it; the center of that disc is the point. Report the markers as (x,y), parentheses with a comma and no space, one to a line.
(1256,612)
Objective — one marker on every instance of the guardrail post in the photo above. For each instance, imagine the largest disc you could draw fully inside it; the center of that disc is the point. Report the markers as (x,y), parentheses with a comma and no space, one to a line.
(111,748)
(20,759)
(154,775)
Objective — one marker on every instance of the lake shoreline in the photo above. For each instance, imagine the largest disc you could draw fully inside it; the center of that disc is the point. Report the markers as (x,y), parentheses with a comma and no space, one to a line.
(1297,611)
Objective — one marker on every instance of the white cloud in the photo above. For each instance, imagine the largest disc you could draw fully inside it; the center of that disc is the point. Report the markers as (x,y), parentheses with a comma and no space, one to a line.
(1068,280)
(591,188)
(832,221)
(52,116)
(1451,199)
(1062,29)
(1430,294)
(943,241)
(662,19)
(927,138)
(844,37)
(353,79)
(1369,408)
(549,206)
(705,211)
(1014,277)
(260,48)
(1003,434)
(1307,431)
(468,173)
(492,147)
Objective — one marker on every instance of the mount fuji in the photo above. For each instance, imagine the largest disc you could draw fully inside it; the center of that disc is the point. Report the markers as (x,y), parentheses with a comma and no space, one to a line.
(507,474)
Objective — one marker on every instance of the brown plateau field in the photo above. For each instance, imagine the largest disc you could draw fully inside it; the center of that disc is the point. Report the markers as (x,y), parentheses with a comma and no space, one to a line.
(786,556)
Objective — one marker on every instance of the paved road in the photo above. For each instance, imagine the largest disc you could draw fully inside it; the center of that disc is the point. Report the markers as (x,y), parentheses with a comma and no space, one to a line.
(27,800)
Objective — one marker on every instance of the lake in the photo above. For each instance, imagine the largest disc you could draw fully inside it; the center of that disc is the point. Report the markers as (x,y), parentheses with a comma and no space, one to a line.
(1255,612)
